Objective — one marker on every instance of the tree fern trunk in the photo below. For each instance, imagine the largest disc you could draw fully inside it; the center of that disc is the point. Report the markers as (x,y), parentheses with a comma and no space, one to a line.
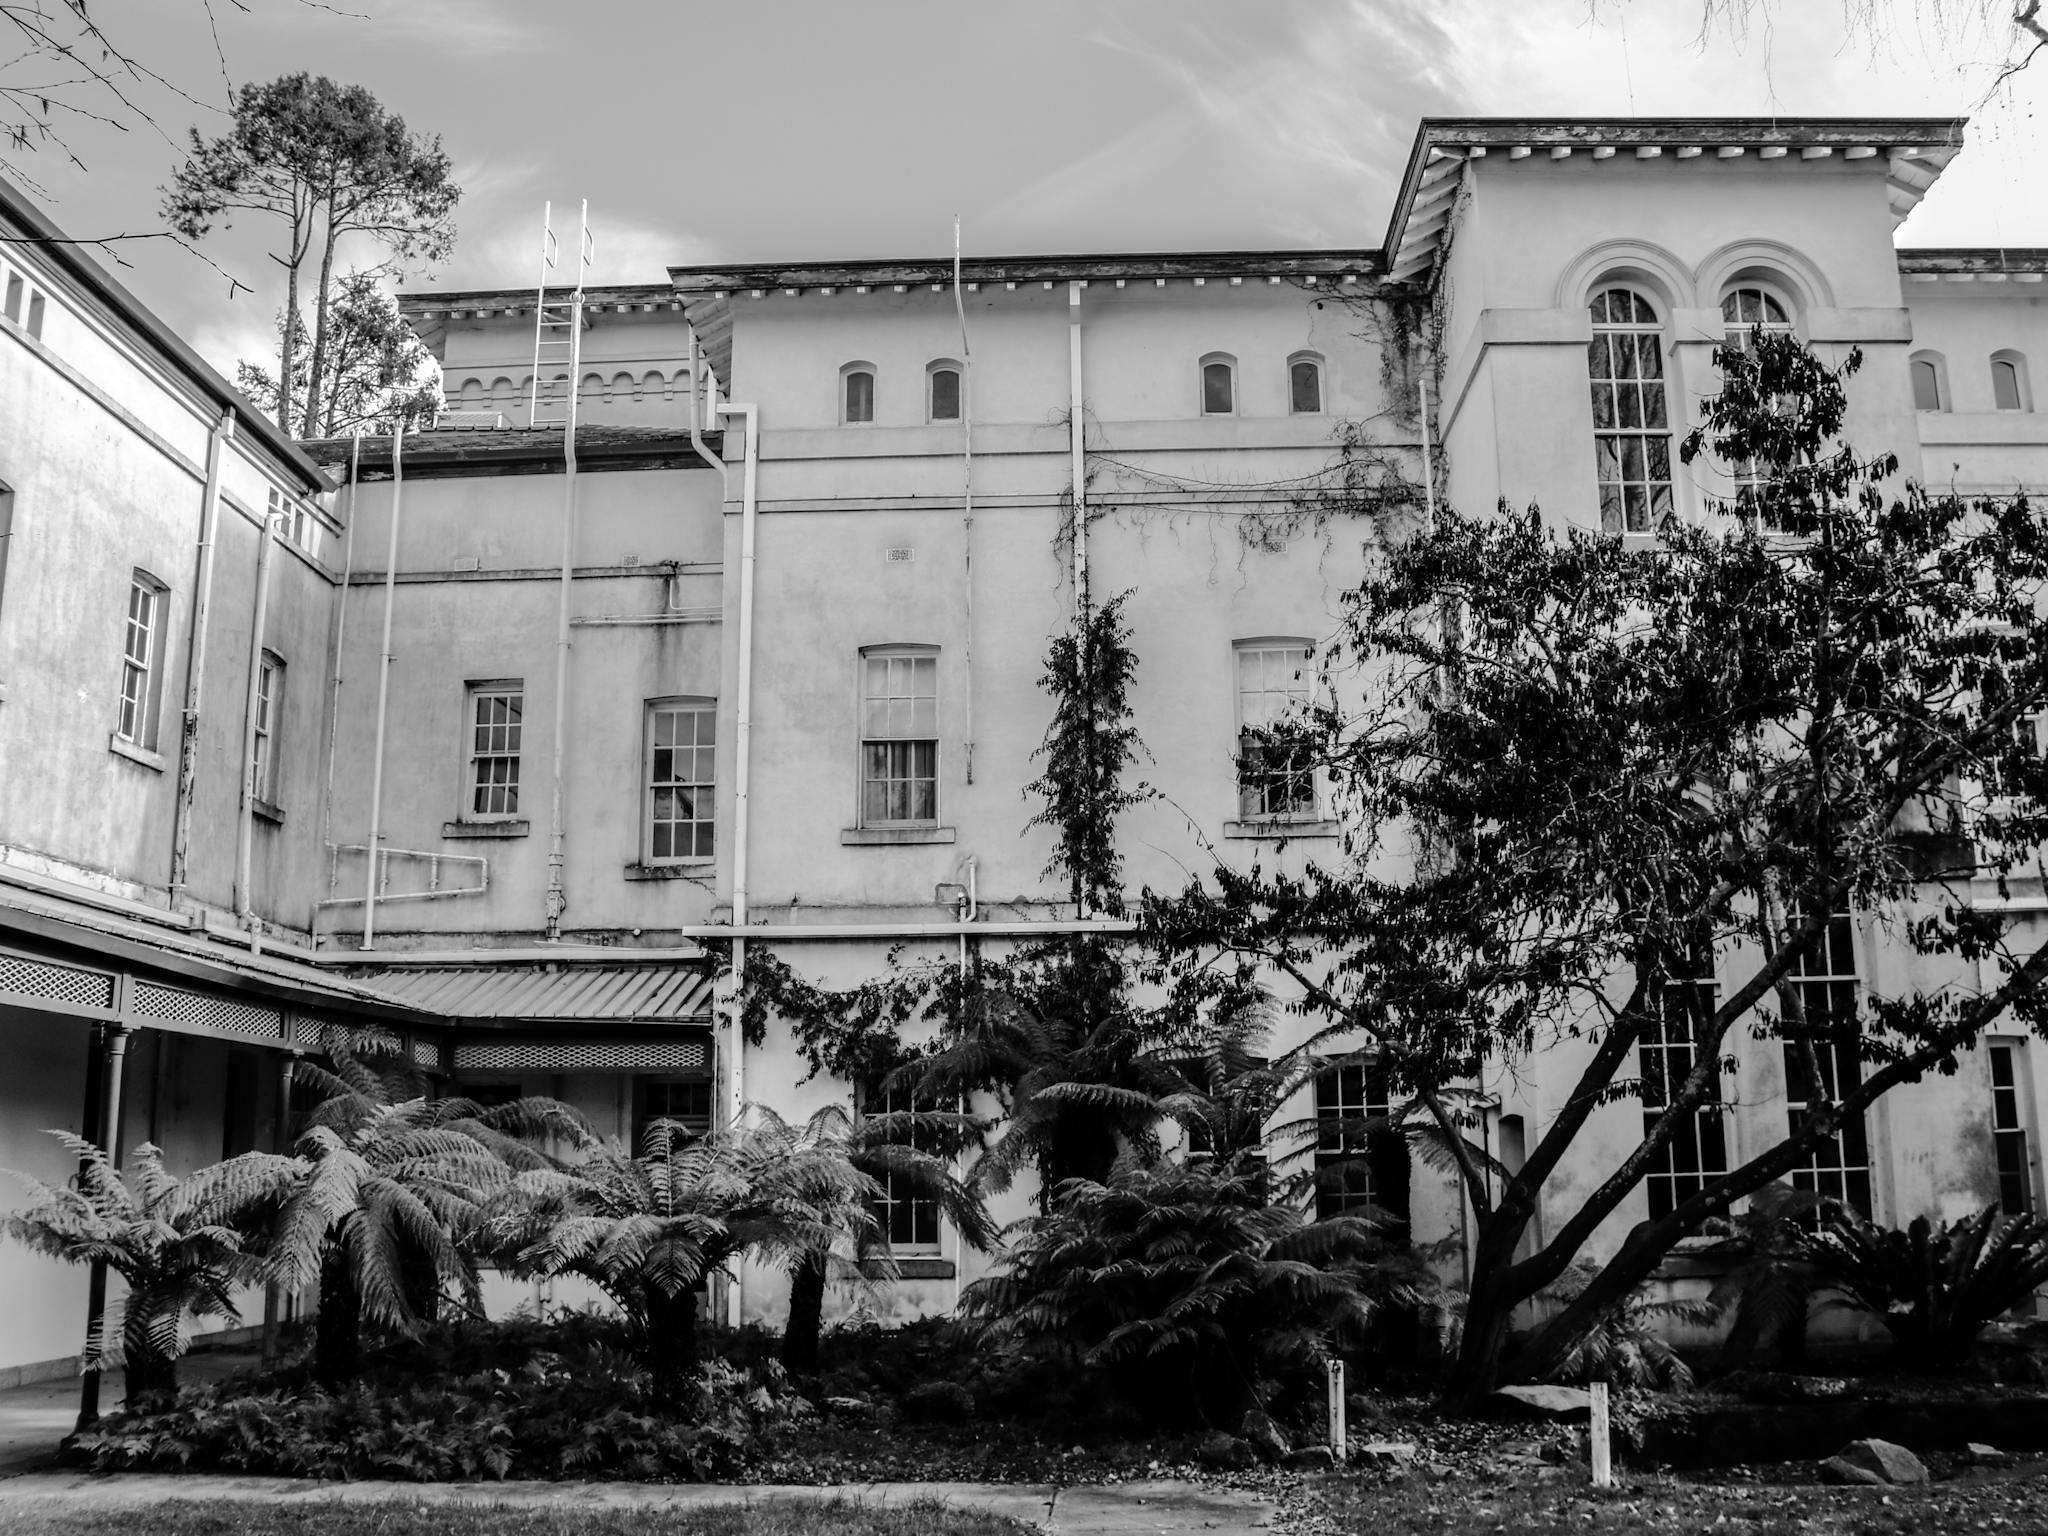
(671,1345)
(806,1315)
(337,1331)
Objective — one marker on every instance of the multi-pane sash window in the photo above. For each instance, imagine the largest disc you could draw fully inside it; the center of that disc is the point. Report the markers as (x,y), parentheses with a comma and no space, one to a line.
(2009,1130)
(139,661)
(1346,1099)
(1631,420)
(1839,1168)
(910,1221)
(1698,1148)
(269,709)
(899,738)
(685,1100)
(682,753)
(1275,769)
(497,715)
(1744,312)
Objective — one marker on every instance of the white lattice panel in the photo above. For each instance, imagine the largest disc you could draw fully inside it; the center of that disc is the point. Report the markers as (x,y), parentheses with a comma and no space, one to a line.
(205,1010)
(686,1054)
(48,981)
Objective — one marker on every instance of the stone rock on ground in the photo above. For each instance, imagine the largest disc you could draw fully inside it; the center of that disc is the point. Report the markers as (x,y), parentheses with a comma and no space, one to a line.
(1874,1461)
(1265,1436)
(1225,1453)
(1310,1458)
(1541,1402)
(1384,1453)
(1984,1455)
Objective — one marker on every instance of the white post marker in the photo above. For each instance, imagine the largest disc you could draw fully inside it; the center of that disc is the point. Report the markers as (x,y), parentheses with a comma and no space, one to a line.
(1338,1445)
(1600,1447)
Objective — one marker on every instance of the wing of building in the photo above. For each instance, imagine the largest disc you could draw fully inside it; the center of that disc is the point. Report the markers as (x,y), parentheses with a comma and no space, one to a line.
(750,651)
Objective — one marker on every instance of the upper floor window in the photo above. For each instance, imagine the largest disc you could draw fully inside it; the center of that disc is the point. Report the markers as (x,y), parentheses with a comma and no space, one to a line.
(295,521)
(682,779)
(1631,420)
(2009,390)
(899,736)
(942,391)
(1219,385)
(1305,384)
(1748,307)
(1930,382)
(857,393)
(269,712)
(1276,778)
(6,536)
(141,661)
(19,292)
(497,720)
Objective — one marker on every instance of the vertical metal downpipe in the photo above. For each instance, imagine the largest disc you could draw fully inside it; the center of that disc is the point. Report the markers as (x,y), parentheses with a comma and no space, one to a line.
(195,663)
(245,823)
(336,637)
(383,689)
(558,895)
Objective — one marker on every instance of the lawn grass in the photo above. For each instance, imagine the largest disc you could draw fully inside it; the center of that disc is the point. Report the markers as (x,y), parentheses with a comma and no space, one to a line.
(768,1518)
(1659,1506)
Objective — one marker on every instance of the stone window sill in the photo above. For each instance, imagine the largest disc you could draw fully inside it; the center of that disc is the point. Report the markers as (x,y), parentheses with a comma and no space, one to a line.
(135,754)
(910,1266)
(1276,830)
(888,837)
(269,812)
(486,828)
(690,869)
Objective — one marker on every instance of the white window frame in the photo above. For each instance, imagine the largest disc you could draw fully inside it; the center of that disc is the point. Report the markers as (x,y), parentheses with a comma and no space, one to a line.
(2012,1118)
(866,700)
(474,695)
(270,687)
(1313,360)
(932,370)
(295,521)
(704,791)
(1355,1091)
(1736,332)
(1270,650)
(846,375)
(1215,360)
(1651,443)
(1666,1056)
(1832,973)
(876,1101)
(142,643)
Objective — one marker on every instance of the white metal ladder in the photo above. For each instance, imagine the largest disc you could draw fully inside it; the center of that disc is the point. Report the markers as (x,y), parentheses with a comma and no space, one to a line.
(558,326)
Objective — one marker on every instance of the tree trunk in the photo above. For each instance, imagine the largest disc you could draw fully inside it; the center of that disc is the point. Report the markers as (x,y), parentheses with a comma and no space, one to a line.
(338,1330)
(671,1345)
(149,1380)
(1489,1310)
(284,348)
(806,1312)
(314,427)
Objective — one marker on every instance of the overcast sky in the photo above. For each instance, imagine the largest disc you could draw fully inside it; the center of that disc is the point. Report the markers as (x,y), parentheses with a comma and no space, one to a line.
(786,129)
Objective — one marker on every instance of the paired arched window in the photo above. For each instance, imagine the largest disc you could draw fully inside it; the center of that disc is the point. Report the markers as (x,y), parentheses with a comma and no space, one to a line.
(1305,384)
(942,390)
(1750,306)
(1631,412)
(2009,383)
(1219,384)
(1930,382)
(857,394)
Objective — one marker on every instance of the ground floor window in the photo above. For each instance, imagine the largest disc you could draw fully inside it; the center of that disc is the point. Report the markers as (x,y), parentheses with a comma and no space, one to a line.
(908,1219)
(1698,1149)
(1348,1100)
(2009,1130)
(685,1100)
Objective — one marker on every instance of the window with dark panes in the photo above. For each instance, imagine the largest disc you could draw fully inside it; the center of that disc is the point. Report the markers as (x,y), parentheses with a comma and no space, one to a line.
(899,730)
(859,385)
(910,1221)
(685,1100)
(1276,778)
(1698,1149)
(1347,1099)
(1826,984)
(497,724)
(1219,387)
(945,387)
(1631,413)
(2009,1129)
(682,757)
(1305,386)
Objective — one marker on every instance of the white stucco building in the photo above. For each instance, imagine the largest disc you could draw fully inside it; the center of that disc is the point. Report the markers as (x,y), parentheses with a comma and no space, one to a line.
(854,568)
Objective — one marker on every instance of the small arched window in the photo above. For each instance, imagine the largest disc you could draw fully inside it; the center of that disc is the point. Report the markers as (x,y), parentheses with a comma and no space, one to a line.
(1930,382)
(2009,384)
(1631,415)
(6,535)
(1305,384)
(857,393)
(942,390)
(1219,385)
(1750,307)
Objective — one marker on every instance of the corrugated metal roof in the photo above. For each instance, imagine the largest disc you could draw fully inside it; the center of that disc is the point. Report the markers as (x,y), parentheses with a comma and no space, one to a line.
(619,993)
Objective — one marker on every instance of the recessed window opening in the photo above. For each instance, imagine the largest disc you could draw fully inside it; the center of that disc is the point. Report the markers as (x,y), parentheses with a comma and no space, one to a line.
(1744,312)
(6,539)
(1348,1100)
(141,669)
(1826,985)
(269,711)
(1276,778)
(1930,387)
(1305,384)
(35,315)
(497,718)
(910,1221)
(2009,383)
(899,731)
(1631,421)
(943,385)
(14,290)
(857,393)
(1697,1151)
(2009,1128)
(1219,385)
(682,778)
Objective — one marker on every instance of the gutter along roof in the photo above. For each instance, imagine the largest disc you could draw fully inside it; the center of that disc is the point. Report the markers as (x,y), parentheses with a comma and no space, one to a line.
(67,254)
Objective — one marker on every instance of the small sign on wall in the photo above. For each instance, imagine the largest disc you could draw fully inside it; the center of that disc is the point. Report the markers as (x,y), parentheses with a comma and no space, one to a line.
(900,555)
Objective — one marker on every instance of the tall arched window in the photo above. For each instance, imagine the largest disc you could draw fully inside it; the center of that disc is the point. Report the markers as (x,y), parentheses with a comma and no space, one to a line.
(1219,385)
(2009,384)
(1305,384)
(857,393)
(1745,311)
(1631,416)
(942,390)
(1930,382)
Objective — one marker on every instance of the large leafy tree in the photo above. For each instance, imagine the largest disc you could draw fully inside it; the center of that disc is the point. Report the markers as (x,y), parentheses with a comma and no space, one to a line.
(377,370)
(328,162)
(1580,775)
(180,1244)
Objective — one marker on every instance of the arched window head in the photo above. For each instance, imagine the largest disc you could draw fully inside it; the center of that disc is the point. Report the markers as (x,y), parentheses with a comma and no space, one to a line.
(942,390)
(1930,382)
(1219,385)
(857,393)
(1305,384)
(1749,306)
(2009,383)
(1631,415)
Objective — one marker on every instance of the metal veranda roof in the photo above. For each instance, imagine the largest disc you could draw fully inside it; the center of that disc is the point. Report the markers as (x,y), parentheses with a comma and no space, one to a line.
(656,994)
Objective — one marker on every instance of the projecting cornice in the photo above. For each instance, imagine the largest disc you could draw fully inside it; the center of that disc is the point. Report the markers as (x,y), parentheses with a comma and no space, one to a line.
(1909,152)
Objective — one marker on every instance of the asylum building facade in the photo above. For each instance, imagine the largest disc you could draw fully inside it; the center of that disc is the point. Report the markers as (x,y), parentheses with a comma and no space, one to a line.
(754,660)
